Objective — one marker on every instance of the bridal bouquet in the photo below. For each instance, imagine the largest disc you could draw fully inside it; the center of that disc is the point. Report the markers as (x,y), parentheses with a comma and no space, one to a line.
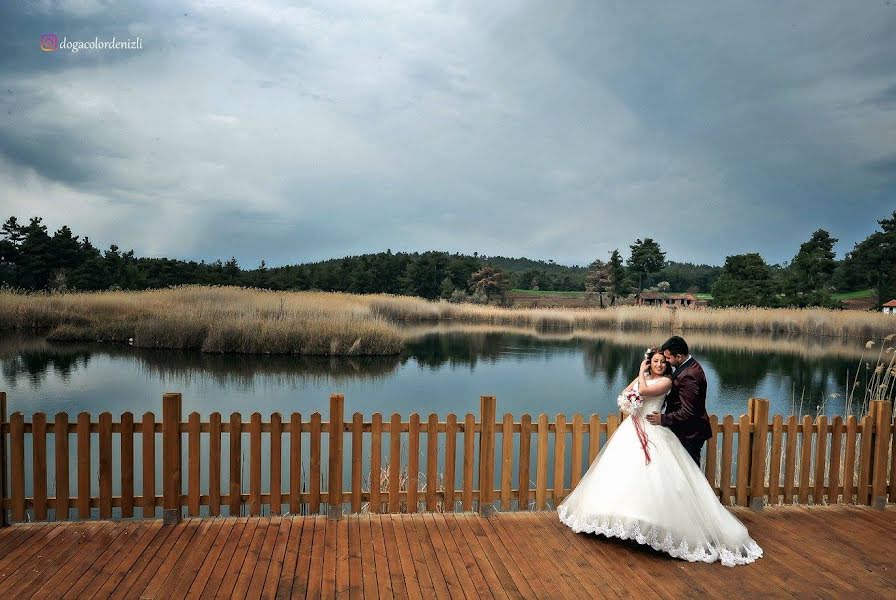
(629,401)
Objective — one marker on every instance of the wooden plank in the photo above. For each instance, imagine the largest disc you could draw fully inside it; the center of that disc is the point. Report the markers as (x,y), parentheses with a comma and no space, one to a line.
(234,566)
(4,492)
(376,454)
(295,463)
(357,448)
(525,443)
(148,480)
(790,459)
(254,555)
(469,448)
(577,449)
(432,461)
(506,460)
(368,556)
(356,576)
(60,443)
(557,493)
(487,411)
(193,462)
(849,460)
(284,585)
(394,463)
(335,438)
(881,453)
(236,456)
(612,424)
(412,579)
(805,459)
(214,464)
(834,464)
(255,464)
(450,462)
(172,480)
(17,465)
(278,557)
(863,495)
(593,437)
(413,462)
(39,464)
(105,465)
(479,588)
(712,448)
(126,443)
(208,580)
(892,488)
(380,558)
(316,562)
(821,447)
(758,442)
(743,459)
(83,465)
(201,560)
(314,475)
(455,575)
(342,555)
(424,551)
(267,569)
(774,468)
(276,464)
(541,464)
(727,459)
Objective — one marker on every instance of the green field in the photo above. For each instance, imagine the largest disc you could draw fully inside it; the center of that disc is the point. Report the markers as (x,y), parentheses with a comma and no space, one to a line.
(861,294)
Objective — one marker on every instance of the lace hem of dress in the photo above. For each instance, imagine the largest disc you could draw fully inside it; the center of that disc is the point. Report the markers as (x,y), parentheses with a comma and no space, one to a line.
(703,552)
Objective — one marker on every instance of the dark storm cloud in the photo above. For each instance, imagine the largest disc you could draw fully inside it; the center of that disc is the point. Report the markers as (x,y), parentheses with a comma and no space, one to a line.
(560,130)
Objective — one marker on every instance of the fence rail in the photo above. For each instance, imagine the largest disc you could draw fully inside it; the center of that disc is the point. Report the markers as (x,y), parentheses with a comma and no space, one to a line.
(749,461)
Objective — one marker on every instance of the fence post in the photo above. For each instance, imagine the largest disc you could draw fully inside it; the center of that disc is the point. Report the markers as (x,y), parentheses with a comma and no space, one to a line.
(334,483)
(171,459)
(4,522)
(881,445)
(759,421)
(487,412)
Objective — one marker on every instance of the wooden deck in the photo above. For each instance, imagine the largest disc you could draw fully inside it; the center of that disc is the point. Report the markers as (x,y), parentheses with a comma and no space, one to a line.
(819,552)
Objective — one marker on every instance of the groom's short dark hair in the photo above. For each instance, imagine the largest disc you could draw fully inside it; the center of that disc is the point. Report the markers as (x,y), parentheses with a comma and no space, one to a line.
(675,345)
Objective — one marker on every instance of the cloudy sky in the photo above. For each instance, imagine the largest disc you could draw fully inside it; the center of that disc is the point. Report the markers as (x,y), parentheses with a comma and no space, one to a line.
(553,130)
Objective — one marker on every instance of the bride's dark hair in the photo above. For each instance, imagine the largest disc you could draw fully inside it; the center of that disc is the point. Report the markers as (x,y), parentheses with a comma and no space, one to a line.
(648,356)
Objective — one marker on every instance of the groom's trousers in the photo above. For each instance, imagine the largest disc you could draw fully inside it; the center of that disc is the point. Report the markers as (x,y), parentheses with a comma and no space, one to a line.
(694,447)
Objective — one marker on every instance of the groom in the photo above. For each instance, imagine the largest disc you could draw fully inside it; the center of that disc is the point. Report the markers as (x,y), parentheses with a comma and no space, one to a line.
(686,403)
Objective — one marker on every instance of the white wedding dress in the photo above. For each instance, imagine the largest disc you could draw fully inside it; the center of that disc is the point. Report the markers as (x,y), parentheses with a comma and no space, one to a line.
(666,504)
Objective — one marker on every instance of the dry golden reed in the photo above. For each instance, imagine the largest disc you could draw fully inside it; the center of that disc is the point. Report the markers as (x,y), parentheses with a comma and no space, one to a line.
(247,320)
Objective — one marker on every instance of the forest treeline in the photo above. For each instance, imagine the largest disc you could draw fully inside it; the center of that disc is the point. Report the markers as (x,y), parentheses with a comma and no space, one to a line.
(32,258)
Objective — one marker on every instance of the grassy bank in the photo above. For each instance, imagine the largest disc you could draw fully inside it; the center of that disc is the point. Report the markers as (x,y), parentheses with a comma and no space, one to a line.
(230,319)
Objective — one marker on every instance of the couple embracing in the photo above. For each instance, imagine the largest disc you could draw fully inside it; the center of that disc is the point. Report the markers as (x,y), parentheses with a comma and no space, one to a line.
(646,483)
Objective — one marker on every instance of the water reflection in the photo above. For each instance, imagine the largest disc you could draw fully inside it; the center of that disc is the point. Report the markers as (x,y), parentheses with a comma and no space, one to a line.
(528,371)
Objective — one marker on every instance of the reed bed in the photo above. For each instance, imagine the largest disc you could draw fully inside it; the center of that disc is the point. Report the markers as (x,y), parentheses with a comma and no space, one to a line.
(211,319)
(247,320)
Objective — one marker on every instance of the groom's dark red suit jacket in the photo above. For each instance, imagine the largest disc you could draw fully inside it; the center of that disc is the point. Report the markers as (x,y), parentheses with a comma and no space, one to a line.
(686,404)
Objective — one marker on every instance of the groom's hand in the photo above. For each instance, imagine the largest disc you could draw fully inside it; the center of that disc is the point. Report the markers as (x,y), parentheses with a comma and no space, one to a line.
(655,418)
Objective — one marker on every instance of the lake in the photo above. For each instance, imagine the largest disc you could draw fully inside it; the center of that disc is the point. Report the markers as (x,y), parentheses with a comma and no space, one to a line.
(444,369)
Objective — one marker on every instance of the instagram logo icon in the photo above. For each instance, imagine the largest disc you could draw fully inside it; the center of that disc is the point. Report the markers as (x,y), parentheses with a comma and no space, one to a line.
(49,42)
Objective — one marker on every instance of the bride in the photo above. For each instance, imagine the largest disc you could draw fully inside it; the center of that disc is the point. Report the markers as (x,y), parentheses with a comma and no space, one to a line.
(644,486)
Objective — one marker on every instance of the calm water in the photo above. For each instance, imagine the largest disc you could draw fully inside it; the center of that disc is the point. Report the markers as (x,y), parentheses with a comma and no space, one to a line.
(440,371)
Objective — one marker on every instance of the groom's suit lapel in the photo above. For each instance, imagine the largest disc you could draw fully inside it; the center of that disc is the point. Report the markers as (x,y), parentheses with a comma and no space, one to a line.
(686,364)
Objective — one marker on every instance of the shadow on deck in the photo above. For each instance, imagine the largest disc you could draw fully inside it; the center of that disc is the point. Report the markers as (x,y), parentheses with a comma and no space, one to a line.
(823,552)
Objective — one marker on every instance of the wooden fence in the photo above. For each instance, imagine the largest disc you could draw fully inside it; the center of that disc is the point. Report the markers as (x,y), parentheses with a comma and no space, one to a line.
(749,461)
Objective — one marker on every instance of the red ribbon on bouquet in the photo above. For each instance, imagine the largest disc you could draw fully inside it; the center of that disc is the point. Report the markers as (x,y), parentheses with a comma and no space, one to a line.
(642,435)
